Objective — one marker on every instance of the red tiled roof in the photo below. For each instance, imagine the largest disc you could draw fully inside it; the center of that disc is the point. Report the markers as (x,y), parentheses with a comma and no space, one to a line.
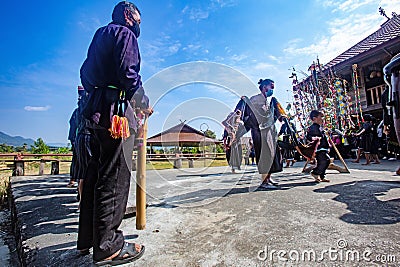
(388,31)
(181,133)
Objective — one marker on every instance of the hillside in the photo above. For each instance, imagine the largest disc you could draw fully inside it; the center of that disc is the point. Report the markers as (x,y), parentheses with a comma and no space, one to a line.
(15,140)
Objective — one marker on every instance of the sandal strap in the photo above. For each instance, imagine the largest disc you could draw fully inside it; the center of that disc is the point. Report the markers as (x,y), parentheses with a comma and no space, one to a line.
(128,248)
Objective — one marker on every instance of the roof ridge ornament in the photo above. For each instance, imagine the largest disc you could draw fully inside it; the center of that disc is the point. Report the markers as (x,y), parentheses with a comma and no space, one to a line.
(383,13)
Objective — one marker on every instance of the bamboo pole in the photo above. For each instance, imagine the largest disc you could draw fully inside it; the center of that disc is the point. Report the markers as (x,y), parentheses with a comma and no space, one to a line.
(305,165)
(338,153)
(141,179)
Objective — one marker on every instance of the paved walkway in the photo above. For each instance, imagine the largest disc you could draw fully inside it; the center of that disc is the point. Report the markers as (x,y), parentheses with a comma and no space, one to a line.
(211,217)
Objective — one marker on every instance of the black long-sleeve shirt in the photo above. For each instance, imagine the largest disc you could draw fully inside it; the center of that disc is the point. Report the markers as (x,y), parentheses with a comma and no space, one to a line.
(113,59)
(315,130)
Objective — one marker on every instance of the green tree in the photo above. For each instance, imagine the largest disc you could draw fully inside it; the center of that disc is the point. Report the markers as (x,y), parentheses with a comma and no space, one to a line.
(23,148)
(63,150)
(210,134)
(220,148)
(39,147)
(4,148)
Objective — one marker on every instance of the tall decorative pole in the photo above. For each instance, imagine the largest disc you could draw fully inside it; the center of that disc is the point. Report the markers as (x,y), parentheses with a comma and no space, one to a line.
(357,96)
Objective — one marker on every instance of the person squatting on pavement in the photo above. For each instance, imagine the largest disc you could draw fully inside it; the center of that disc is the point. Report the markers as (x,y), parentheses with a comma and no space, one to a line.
(322,156)
(110,75)
(259,114)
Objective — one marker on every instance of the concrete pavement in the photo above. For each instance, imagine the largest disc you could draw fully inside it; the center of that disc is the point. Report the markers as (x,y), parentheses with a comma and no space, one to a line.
(211,217)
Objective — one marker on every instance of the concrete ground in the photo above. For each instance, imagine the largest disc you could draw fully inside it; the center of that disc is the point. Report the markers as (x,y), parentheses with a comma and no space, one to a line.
(211,217)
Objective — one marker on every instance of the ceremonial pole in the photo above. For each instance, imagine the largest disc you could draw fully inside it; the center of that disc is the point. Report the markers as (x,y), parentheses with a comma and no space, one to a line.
(141,178)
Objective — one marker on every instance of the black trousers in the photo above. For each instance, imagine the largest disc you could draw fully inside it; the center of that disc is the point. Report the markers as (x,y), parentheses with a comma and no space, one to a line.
(323,161)
(276,161)
(105,195)
(228,154)
(73,163)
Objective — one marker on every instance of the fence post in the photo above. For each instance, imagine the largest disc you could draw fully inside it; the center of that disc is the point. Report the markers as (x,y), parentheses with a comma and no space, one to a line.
(191,163)
(55,167)
(41,166)
(19,168)
(177,163)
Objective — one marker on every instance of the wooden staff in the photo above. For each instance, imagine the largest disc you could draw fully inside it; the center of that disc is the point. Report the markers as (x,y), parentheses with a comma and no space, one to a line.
(141,178)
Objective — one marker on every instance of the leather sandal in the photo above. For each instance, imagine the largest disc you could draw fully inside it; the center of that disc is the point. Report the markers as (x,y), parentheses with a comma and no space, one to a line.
(127,254)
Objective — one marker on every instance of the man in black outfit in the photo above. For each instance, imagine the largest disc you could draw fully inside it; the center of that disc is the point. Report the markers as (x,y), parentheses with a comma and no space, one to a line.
(110,75)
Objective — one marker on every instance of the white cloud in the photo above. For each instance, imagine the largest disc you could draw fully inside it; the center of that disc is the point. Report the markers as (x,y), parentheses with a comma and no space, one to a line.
(191,47)
(173,49)
(195,13)
(240,57)
(344,5)
(263,66)
(348,28)
(156,50)
(198,14)
(32,108)
(224,3)
(89,24)
(199,72)
(351,5)
(276,59)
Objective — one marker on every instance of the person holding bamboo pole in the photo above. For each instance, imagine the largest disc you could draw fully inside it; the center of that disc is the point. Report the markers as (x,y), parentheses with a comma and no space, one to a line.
(315,131)
(110,75)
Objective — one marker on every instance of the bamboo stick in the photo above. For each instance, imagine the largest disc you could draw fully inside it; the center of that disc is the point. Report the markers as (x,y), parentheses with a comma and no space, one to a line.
(338,153)
(141,179)
(305,165)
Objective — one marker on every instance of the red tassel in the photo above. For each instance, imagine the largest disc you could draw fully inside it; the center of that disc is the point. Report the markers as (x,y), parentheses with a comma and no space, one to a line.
(119,127)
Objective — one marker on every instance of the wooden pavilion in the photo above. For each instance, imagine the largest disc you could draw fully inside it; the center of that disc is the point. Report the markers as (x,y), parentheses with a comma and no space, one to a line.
(179,136)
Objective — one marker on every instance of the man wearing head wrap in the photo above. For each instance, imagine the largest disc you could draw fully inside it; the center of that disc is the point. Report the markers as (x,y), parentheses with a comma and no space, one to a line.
(260,113)
(110,75)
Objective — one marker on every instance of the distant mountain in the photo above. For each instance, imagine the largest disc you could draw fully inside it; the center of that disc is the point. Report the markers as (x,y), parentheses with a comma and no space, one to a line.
(15,140)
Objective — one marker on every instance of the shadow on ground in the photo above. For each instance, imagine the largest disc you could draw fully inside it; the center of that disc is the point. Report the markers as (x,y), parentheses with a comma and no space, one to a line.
(361,198)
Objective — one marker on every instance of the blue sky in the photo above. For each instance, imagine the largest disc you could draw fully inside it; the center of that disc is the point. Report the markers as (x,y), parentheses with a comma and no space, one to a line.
(45,42)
